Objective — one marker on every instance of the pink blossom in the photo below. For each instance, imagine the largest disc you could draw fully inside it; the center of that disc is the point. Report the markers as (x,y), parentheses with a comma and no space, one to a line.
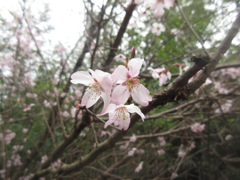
(182,153)
(9,136)
(225,107)
(174,175)
(2,173)
(29,107)
(99,85)
(120,58)
(158,6)
(105,133)
(44,159)
(158,28)
(228,137)
(139,167)
(140,151)
(56,164)
(162,141)
(220,89)
(132,151)
(125,146)
(207,82)
(197,127)
(232,72)
(16,148)
(175,31)
(63,94)
(191,145)
(16,160)
(127,78)
(133,138)
(161,152)
(65,114)
(120,115)
(162,74)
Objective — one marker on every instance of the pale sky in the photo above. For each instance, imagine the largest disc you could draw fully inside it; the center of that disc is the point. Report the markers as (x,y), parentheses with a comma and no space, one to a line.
(65,16)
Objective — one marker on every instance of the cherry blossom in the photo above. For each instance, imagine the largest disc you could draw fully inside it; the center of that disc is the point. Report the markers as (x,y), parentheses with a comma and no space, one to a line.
(162,74)
(175,31)
(139,167)
(197,127)
(225,107)
(120,58)
(119,115)
(127,78)
(99,85)
(161,152)
(158,6)
(133,138)
(162,141)
(158,28)
(132,151)
(228,137)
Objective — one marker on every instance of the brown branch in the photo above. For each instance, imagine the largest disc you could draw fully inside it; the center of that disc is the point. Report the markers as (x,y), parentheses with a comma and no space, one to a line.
(119,36)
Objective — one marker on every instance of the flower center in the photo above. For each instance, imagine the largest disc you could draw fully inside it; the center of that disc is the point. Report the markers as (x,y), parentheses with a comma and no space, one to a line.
(121,113)
(131,83)
(95,89)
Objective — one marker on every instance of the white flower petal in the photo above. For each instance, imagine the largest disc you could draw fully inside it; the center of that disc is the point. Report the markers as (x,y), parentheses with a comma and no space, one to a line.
(109,109)
(119,75)
(134,66)
(120,94)
(82,77)
(141,95)
(135,109)
(90,98)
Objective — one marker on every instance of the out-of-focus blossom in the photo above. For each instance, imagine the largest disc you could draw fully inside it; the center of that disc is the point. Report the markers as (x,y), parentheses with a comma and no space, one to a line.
(9,135)
(139,167)
(125,146)
(16,148)
(44,159)
(225,107)
(175,31)
(56,164)
(162,74)
(162,141)
(28,107)
(174,175)
(105,133)
(133,138)
(161,152)
(120,58)
(132,151)
(65,114)
(158,28)
(197,127)
(158,6)
(228,137)
(220,89)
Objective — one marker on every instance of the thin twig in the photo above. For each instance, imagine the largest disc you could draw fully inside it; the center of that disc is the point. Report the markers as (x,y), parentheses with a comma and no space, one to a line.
(191,28)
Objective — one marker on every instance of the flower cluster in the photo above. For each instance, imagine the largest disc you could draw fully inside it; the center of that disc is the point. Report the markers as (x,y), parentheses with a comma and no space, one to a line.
(157,6)
(115,89)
